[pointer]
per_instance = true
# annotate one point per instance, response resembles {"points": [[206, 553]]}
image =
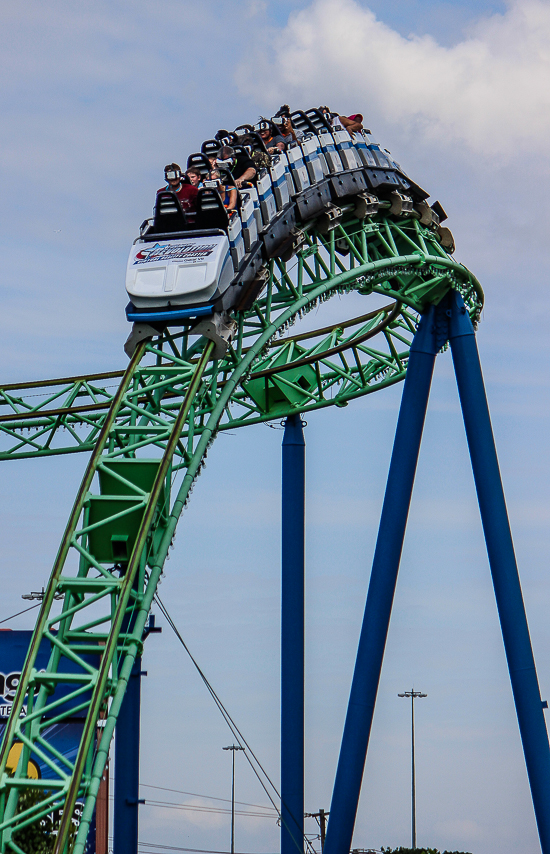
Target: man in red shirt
{"points": [[185, 191]]}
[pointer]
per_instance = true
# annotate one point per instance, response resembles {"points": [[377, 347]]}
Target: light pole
{"points": [[413, 695], [233, 748]]}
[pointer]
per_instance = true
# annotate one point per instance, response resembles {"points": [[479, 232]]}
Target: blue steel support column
{"points": [[387, 555], [292, 638], [126, 803], [500, 549]]}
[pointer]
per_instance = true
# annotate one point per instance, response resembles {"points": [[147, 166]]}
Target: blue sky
{"points": [[96, 98]]}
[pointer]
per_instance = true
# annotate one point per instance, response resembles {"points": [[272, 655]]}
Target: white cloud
{"points": [[490, 91]]}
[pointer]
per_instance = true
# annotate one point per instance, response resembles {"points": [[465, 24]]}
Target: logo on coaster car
{"points": [[169, 252]]}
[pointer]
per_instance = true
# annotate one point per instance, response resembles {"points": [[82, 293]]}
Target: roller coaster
{"points": [[332, 215]]}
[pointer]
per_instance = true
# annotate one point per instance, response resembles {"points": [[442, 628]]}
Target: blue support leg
{"points": [[500, 549], [127, 767], [292, 638], [370, 653]]}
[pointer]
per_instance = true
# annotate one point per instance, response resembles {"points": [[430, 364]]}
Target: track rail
{"points": [[393, 258], [149, 437]]}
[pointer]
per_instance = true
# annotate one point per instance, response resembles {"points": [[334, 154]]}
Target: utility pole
{"points": [[321, 817], [233, 748], [413, 695]]}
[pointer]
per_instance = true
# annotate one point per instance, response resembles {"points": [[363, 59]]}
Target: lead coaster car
{"points": [[174, 280], [179, 269]]}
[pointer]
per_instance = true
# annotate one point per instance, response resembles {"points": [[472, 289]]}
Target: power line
{"points": [[200, 808], [210, 810], [208, 797], [175, 848], [225, 714], [38, 604], [230, 722]]}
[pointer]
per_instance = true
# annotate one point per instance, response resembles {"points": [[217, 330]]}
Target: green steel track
{"points": [[148, 430]]}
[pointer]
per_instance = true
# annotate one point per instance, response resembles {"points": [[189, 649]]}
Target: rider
{"points": [[241, 166], [273, 140], [184, 190], [353, 123], [283, 125], [226, 189], [195, 177]]}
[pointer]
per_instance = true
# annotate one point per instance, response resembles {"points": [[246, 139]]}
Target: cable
{"points": [[229, 720], [225, 714], [38, 604], [210, 810], [175, 848], [198, 808], [208, 797]]}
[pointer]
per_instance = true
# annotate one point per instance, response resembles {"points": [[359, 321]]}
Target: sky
{"points": [[95, 99]]}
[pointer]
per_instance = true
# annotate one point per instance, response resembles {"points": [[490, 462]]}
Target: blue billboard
{"points": [[63, 736]]}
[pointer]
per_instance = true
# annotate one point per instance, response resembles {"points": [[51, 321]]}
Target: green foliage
{"points": [[39, 837], [36, 838]]}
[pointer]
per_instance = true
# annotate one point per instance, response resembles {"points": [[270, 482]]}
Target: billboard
{"points": [[63, 736]]}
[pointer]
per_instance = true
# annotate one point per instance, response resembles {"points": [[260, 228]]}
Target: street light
{"points": [[233, 748], [413, 695], [39, 594]]}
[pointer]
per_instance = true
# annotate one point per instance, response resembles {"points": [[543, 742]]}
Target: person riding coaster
{"points": [[271, 136], [239, 166], [203, 253], [192, 263], [224, 184], [182, 187]]}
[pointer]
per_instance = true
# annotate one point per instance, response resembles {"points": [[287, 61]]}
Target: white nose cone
{"points": [[176, 271]]}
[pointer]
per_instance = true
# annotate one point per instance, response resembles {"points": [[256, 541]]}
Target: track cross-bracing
{"points": [[397, 259], [148, 429]]}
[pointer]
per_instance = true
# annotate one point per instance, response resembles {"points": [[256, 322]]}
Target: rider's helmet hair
{"points": [[283, 112], [227, 137], [226, 152]]}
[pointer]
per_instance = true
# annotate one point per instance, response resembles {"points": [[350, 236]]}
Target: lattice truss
{"points": [[399, 260], [149, 429]]}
